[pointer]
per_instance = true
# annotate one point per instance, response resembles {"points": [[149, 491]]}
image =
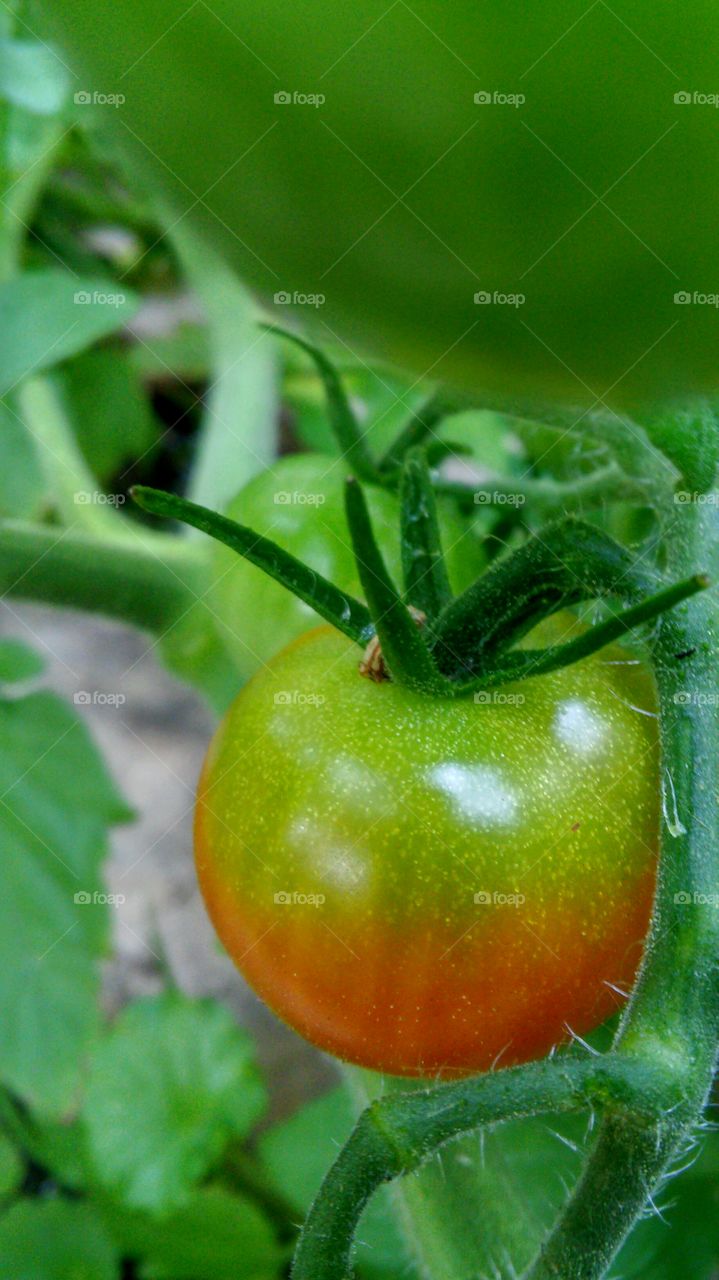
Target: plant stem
{"points": [[149, 582], [673, 1015], [395, 1135], [609, 484], [73, 487]]}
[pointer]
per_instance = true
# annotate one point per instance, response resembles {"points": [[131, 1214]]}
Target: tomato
{"points": [[299, 503], [577, 197], [424, 886]]}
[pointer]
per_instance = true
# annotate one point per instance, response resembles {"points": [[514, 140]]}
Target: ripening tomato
{"points": [[421, 885], [511, 195], [256, 615]]}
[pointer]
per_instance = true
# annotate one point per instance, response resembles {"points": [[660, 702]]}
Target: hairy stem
{"points": [[673, 1016], [395, 1135]]}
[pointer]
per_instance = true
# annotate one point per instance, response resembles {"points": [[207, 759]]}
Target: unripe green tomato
{"points": [[558, 160], [426, 886], [299, 503]]}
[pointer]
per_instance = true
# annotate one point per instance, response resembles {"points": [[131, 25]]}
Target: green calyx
{"points": [[433, 642], [422, 636]]}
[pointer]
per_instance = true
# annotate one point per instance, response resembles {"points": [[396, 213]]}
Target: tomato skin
{"points": [[377, 815], [299, 503], [399, 197]]}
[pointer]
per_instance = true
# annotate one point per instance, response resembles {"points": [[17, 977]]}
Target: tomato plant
{"points": [[522, 203], [299, 504], [423, 886], [558, 164]]}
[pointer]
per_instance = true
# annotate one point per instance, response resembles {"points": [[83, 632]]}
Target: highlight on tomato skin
{"points": [[426, 886]]}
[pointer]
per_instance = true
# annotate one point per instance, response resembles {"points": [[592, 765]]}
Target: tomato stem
{"points": [[426, 583], [673, 1014], [344, 424], [403, 646]]}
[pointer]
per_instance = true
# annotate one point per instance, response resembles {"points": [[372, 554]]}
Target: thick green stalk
{"points": [[673, 1016], [396, 1135], [149, 581], [75, 492]]}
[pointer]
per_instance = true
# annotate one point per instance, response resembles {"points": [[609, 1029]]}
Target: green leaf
{"points": [[12, 1167], [296, 1155], [56, 802], [238, 434], [216, 1236], [55, 1240], [689, 436], [46, 316], [170, 1085], [17, 662], [109, 410], [32, 76], [347, 614]]}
